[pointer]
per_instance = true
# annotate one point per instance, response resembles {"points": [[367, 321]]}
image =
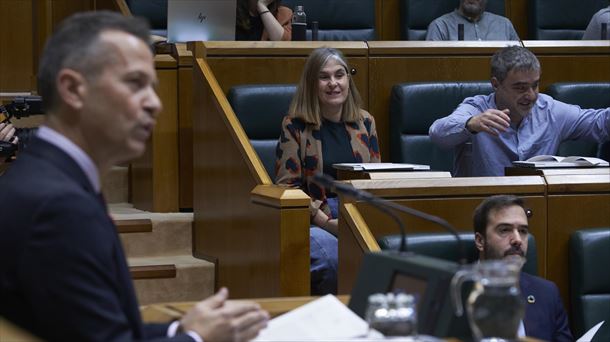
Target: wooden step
{"points": [[126, 226], [146, 234], [153, 271], [171, 278]]}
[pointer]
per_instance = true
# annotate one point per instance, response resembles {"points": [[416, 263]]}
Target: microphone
{"points": [[460, 31], [388, 207]]}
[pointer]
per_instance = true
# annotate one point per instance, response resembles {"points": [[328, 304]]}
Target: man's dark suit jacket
{"points": [[545, 318], [63, 274]]}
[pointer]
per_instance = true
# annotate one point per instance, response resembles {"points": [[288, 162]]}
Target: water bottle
{"points": [[299, 24]]}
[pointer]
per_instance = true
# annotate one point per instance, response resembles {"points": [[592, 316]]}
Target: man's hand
{"points": [[491, 121], [217, 319]]}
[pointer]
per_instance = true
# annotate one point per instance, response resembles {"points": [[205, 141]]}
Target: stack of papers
{"points": [[325, 319], [547, 161], [380, 167]]}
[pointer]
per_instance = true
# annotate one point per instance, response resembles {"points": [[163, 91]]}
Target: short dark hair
{"points": [[481, 213], [512, 58], [75, 45]]}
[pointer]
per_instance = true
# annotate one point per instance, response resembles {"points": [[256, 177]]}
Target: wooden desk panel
{"points": [[574, 202], [452, 199], [185, 125], [238, 63], [17, 48], [154, 176], [166, 312], [257, 233]]}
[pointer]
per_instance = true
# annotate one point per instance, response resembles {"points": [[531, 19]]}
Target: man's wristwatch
{"points": [[466, 126]]}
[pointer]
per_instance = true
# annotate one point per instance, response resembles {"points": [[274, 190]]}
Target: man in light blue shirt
{"points": [[594, 29], [489, 132], [478, 24]]}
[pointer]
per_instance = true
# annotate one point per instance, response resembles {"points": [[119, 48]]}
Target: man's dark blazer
{"points": [[546, 317], [63, 274]]}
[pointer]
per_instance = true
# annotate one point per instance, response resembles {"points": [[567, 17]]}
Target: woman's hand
{"points": [[7, 131], [264, 3], [272, 26]]}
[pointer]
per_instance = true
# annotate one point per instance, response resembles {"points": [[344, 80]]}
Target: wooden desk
{"points": [[256, 233], [238, 63], [574, 202], [453, 199], [165, 312], [154, 176]]}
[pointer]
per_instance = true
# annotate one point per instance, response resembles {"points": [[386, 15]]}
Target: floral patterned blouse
{"points": [[299, 155]]}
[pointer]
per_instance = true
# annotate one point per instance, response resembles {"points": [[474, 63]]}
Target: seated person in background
{"points": [[325, 125], [7, 134], [63, 273], [514, 122], [263, 20], [594, 29], [501, 231], [478, 24]]}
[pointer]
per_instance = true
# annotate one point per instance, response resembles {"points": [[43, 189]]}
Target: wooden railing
{"points": [[255, 231]]}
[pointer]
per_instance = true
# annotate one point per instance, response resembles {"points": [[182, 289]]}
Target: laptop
{"points": [[200, 20]]}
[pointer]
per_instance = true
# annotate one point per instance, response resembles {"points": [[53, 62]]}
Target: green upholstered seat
{"points": [[352, 20], [590, 281], [260, 110], [413, 109], [416, 15], [561, 19], [585, 95], [444, 246]]}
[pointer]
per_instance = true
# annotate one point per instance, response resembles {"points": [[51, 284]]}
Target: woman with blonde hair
{"points": [[325, 125]]}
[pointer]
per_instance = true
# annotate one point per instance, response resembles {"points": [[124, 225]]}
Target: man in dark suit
{"points": [[501, 232], [63, 274]]}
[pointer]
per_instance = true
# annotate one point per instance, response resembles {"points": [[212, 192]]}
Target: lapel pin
{"points": [[531, 299]]}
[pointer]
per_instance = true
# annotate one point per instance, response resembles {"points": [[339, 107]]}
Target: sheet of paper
{"points": [[325, 319], [588, 336]]}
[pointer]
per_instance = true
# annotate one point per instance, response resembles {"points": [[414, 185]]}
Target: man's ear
{"points": [[71, 86], [479, 241], [495, 83]]}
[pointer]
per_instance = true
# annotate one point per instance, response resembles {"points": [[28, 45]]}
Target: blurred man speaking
{"points": [[63, 273]]}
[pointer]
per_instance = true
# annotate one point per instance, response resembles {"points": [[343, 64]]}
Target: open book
{"points": [[545, 161], [380, 167]]}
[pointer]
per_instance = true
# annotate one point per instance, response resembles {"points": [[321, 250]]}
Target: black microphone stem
{"points": [[381, 206], [386, 206], [430, 218]]}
